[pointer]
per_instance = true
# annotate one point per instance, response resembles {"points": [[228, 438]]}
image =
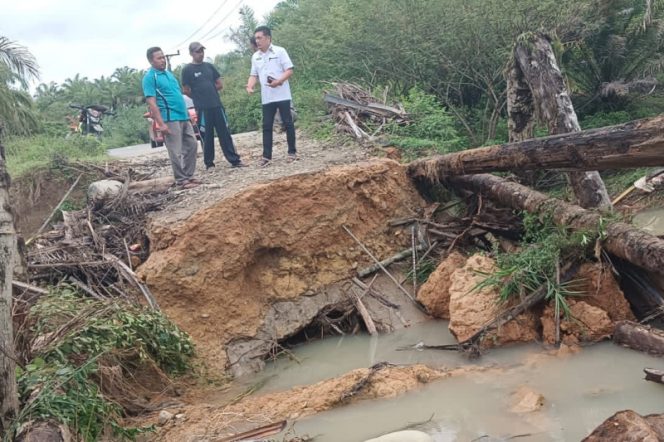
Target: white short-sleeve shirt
{"points": [[272, 63]]}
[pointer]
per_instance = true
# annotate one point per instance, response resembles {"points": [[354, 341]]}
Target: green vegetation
{"points": [[544, 248], [29, 153], [80, 339]]}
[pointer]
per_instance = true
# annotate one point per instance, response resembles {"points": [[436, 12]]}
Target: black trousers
{"points": [[215, 119], [269, 111]]}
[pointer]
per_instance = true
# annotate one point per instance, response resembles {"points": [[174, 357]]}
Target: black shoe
{"points": [[238, 165]]}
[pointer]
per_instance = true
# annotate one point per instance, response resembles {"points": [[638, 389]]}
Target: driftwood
{"points": [[54, 211], [639, 337], [387, 261], [654, 375], [364, 313], [389, 275], [553, 105], [621, 239], [634, 144], [257, 433], [358, 113]]}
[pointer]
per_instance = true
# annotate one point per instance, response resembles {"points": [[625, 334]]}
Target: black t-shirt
{"points": [[200, 78]]}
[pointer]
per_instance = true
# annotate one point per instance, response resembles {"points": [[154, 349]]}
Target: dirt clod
{"points": [[435, 293]]}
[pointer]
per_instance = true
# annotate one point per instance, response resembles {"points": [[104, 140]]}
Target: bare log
{"points": [[387, 261], [635, 144], [623, 240], [364, 313], [639, 337], [553, 104], [654, 375], [155, 185]]}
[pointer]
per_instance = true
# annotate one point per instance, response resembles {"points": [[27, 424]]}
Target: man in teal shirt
{"points": [[164, 97]]}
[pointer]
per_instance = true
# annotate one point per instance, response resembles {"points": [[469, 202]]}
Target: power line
{"points": [[222, 21], [203, 25]]}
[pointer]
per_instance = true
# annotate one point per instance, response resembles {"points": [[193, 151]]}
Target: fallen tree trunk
{"points": [[635, 144], [623, 240], [639, 337]]}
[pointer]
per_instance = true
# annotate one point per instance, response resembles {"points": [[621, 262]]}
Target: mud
{"points": [[206, 421], [217, 274]]}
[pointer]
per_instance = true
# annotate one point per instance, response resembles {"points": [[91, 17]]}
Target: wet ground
{"points": [[580, 390]]}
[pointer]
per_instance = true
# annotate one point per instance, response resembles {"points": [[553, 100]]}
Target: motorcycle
{"points": [[89, 119], [157, 137]]}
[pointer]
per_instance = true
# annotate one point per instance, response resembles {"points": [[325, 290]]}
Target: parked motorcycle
{"points": [[157, 137], [89, 119]]}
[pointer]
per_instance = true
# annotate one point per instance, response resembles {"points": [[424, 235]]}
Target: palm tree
{"points": [[17, 67], [623, 54]]}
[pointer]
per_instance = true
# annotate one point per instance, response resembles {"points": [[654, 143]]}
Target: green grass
{"points": [[29, 153], [544, 248]]}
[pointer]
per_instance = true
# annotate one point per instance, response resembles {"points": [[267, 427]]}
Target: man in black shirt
{"points": [[201, 81]]}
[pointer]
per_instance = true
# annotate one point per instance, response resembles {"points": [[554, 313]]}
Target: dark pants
{"points": [[215, 118], [269, 110]]}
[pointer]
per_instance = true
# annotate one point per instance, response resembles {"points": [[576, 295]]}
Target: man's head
{"points": [[197, 51], [156, 58], [263, 37]]}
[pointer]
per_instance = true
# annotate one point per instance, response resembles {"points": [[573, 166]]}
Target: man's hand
{"points": [[163, 127], [250, 89], [275, 83]]}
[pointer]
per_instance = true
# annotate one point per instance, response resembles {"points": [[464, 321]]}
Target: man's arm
{"points": [[251, 83], [219, 84], [278, 82], [156, 114]]}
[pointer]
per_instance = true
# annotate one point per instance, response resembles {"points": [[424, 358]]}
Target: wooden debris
{"points": [[359, 113], [621, 239], [257, 433], [654, 375], [639, 337], [634, 144], [364, 313]]}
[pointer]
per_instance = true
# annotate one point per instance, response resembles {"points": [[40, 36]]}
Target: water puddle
{"points": [[580, 390], [650, 220]]}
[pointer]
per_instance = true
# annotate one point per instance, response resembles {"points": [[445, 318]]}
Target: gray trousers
{"points": [[181, 144]]}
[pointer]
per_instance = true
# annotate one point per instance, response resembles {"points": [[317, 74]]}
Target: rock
{"points": [[164, 417], [435, 292], [471, 309], [588, 324], [403, 436], [600, 289], [103, 190], [624, 426], [526, 400]]}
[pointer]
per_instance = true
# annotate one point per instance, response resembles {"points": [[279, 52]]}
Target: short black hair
{"points": [[252, 41], [265, 30], [151, 52]]}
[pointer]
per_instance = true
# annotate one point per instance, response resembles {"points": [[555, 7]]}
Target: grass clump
{"points": [[75, 341], [544, 247], [29, 153]]}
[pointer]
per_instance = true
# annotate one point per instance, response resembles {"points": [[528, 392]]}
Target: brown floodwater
{"points": [[580, 390]]}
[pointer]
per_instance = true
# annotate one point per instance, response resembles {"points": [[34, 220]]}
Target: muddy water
{"points": [[580, 390], [650, 220]]}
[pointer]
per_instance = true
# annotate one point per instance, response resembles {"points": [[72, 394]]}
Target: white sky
{"points": [[94, 37]]}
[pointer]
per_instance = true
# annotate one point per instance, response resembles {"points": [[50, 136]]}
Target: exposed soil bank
{"points": [[217, 274]]}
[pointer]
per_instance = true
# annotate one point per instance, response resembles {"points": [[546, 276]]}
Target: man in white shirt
{"points": [[272, 67]]}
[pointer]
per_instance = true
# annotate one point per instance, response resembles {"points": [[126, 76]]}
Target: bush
{"points": [[432, 125], [63, 382], [27, 153], [126, 128]]}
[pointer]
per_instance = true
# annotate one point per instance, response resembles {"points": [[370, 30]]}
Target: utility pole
{"points": [[168, 59]]}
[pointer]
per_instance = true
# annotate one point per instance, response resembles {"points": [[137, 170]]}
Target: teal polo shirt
{"points": [[165, 88]]}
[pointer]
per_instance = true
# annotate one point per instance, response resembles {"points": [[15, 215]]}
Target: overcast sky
{"points": [[94, 37]]}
